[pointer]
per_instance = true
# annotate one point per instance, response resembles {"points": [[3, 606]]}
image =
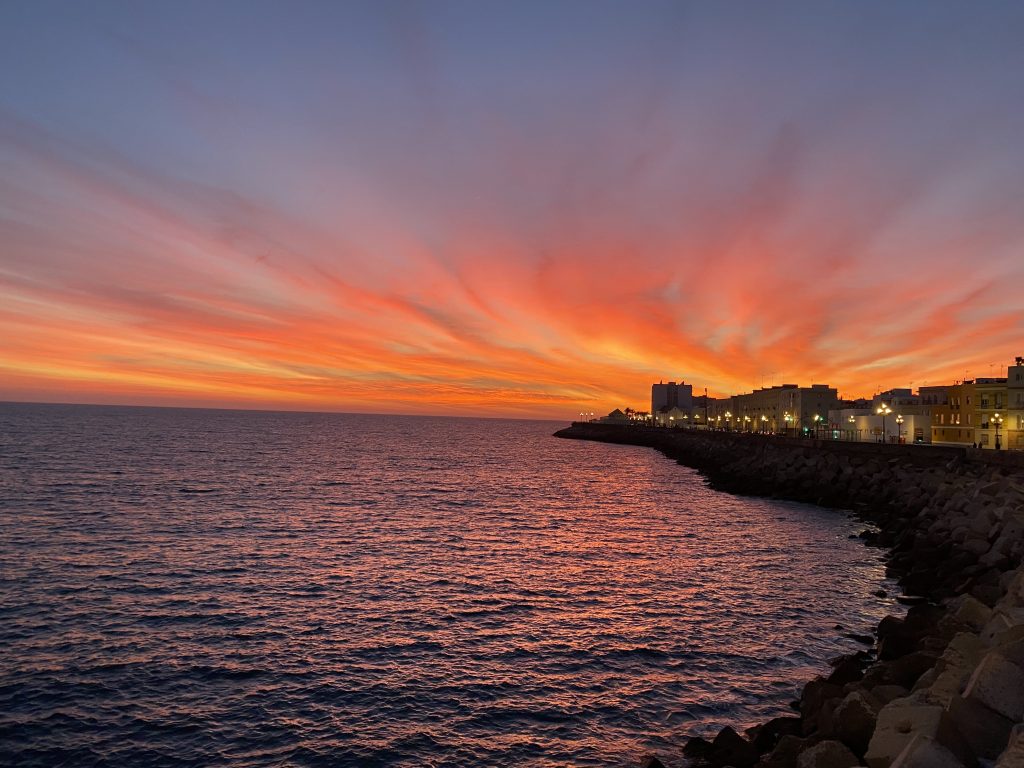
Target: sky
{"points": [[505, 209]]}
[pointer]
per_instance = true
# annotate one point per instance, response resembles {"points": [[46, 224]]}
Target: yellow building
{"points": [[990, 412], [953, 422]]}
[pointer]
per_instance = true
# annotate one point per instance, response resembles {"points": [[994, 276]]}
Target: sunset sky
{"points": [[505, 209]]}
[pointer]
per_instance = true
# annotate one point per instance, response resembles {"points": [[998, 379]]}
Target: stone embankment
{"points": [[942, 687]]}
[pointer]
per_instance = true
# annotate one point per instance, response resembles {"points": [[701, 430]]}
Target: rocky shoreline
{"points": [[942, 687]]}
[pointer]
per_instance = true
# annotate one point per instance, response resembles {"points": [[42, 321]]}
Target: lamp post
{"points": [[999, 421], [852, 421], [885, 410], [817, 425], [899, 427], [746, 423], [764, 423]]}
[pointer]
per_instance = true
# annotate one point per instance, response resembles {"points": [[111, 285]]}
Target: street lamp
{"points": [[998, 420], [746, 423], [817, 424], [852, 421], [728, 417], [899, 427], [764, 423], [885, 410]]}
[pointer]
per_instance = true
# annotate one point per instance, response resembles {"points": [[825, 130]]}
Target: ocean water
{"points": [[218, 588]]}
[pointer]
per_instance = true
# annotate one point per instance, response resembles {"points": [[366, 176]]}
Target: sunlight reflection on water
{"points": [[235, 588]]}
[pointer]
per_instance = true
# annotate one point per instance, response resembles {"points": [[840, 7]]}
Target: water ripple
{"points": [[189, 588]]}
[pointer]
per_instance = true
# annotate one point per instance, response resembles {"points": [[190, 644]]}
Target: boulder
{"points": [[907, 669], [766, 737], [788, 748], [651, 762], [814, 695], [1013, 755], [827, 754], [970, 611], [697, 748], [729, 748], [854, 720], [998, 684], [886, 693], [922, 752], [986, 732], [1003, 626], [901, 720], [964, 651]]}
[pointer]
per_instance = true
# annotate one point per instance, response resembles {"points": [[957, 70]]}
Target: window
{"points": [[969, 418]]}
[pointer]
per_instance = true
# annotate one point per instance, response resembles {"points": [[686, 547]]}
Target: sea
{"points": [[187, 587]]}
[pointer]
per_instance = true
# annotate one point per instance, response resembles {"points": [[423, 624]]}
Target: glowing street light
{"points": [[899, 427], [764, 423], [884, 410], [998, 421]]}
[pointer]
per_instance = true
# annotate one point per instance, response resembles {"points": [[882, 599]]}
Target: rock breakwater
{"points": [[943, 686]]}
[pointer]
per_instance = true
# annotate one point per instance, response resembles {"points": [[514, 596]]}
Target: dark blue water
{"points": [[195, 588]]}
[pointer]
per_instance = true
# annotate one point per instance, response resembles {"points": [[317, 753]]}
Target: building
{"points": [[1013, 422], [990, 412], [897, 419], [785, 408], [671, 395], [953, 422]]}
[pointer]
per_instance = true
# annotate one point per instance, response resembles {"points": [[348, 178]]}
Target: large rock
{"points": [[964, 651], [765, 737], [814, 695], [901, 720], [854, 720], [886, 693], [1013, 755], [985, 731], [827, 754], [971, 612], [999, 685], [729, 748], [921, 752]]}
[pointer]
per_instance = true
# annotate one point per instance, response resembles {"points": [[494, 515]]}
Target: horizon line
{"points": [[272, 410]]}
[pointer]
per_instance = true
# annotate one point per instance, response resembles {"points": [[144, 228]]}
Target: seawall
{"points": [[944, 685]]}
